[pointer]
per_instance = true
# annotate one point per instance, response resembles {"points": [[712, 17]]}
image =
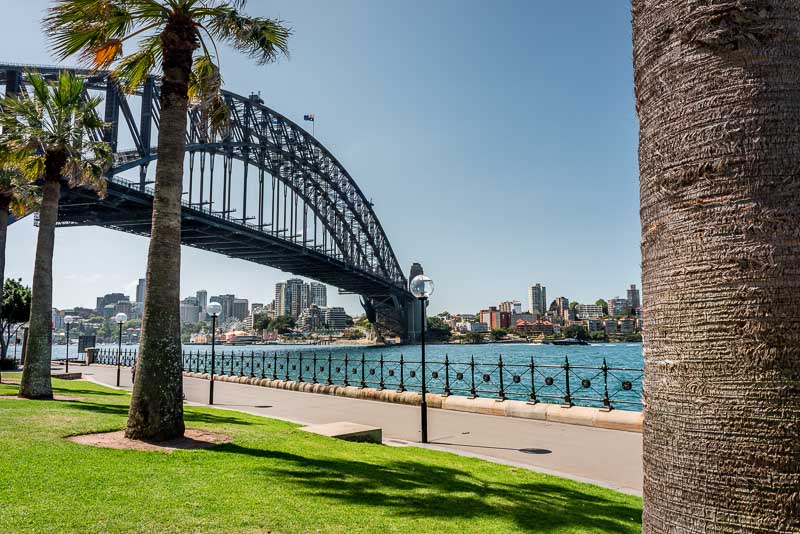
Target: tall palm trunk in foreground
{"points": [[718, 98], [35, 383], [157, 404]]}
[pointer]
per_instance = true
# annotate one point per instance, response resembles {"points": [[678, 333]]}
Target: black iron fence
{"points": [[554, 381]]}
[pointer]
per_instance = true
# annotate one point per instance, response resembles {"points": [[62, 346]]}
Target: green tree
{"points": [[47, 136], [473, 338], [576, 331], [261, 322], [718, 105], [603, 304], [16, 308], [281, 324], [498, 333], [175, 37], [437, 329]]}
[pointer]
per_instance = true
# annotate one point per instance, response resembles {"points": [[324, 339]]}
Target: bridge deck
{"points": [[130, 210]]}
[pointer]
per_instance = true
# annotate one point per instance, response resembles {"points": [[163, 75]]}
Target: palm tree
{"points": [[18, 197], [176, 37], [718, 97], [46, 137]]}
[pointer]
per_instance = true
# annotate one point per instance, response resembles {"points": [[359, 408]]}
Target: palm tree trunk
{"points": [[4, 213], [718, 99], [156, 411], [35, 383]]}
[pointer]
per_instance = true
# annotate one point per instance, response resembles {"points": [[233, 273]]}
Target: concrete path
{"points": [[607, 458]]}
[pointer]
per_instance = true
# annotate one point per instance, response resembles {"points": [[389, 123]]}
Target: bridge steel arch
{"points": [[347, 246]]}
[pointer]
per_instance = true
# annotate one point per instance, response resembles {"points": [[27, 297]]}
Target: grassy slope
{"points": [[271, 477]]}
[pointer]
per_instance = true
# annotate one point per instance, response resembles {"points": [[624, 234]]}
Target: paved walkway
{"points": [[607, 458]]}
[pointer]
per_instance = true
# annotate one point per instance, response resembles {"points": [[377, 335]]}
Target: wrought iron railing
{"points": [[552, 381]]}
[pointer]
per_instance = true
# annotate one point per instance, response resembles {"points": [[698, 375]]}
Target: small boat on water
{"points": [[569, 341]]}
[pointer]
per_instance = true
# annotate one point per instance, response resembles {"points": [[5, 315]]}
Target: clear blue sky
{"points": [[514, 118]]}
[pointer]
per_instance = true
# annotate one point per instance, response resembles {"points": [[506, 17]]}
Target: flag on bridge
{"points": [[309, 118]]}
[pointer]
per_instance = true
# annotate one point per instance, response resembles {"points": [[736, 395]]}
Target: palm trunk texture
{"points": [[156, 411], [4, 213], [35, 383], [718, 97]]}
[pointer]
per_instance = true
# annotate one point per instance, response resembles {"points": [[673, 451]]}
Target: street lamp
{"points": [[422, 288], [68, 320], [121, 318], [213, 309]]}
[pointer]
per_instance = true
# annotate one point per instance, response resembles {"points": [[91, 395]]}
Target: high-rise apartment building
{"points": [[140, 288], [240, 308], [290, 297], [318, 294], [293, 296], [634, 298], [190, 310], [618, 306], [202, 300], [537, 299], [562, 305]]}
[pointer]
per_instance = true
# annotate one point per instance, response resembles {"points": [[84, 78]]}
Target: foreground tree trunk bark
{"points": [[718, 98], [4, 213], [156, 411], [35, 382]]}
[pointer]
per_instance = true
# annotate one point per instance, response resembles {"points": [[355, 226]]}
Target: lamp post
{"points": [[121, 318], [213, 309], [422, 288], [68, 320]]}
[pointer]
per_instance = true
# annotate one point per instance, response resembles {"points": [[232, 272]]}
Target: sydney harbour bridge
{"points": [[263, 191]]}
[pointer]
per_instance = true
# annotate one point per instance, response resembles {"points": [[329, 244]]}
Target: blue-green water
{"points": [[528, 371]]}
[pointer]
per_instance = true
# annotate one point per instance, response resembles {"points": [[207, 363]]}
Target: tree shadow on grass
{"points": [[189, 417], [417, 489]]}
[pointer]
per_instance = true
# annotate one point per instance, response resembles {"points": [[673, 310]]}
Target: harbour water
{"points": [[545, 373]]}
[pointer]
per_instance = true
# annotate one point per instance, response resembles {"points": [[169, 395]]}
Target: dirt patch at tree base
{"points": [[192, 439]]}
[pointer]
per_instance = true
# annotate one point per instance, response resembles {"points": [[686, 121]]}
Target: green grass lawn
{"points": [[272, 477]]}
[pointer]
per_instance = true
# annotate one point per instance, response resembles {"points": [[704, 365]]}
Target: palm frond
{"points": [[132, 70], [263, 39], [55, 117]]}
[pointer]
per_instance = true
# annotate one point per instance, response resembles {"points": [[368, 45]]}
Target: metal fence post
{"points": [[381, 385], [473, 393], [300, 369], [252, 364], [346, 370], [568, 397], [502, 392], [286, 378], [263, 358], [446, 376], [275, 365], [363, 379], [606, 400], [314, 376], [533, 384], [402, 387], [330, 380]]}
